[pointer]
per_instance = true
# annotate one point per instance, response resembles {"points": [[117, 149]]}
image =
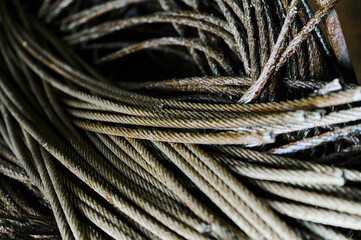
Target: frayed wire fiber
{"points": [[177, 119]]}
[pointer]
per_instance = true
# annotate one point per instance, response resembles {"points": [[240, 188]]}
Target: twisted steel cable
{"points": [[177, 119]]}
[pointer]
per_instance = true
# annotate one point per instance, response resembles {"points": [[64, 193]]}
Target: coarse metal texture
{"points": [[177, 119]]}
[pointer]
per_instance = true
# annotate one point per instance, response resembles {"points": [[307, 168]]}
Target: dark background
{"points": [[350, 17]]}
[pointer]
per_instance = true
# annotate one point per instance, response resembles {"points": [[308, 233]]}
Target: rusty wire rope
{"points": [[177, 119]]}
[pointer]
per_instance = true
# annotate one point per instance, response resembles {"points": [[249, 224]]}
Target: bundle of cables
{"points": [[177, 119]]}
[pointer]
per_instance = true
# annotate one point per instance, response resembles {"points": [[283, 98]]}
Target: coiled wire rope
{"points": [[254, 136]]}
